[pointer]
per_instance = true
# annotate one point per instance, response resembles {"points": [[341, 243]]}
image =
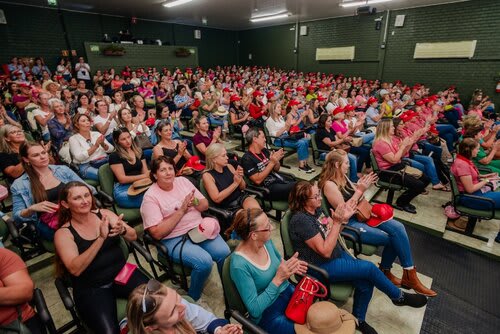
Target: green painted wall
{"points": [[140, 56], [32, 31], [477, 19]]}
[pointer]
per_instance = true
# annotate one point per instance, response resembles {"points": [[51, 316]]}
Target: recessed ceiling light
{"points": [[175, 3]]}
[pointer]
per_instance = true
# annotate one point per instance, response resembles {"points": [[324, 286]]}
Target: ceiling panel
{"points": [[225, 14]]}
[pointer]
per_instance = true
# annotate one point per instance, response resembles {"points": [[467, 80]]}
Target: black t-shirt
{"points": [[322, 134], [256, 163], [7, 160], [222, 181], [304, 226], [130, 170]]}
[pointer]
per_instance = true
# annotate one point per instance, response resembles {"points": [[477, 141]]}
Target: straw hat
{"points": [[49, 82], [326, 318], [139, 186]]}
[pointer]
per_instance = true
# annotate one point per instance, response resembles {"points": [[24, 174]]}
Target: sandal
{"points": [[442, 187]]}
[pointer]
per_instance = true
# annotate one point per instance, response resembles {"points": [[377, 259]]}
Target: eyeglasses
{"points": [[148, 302], [317, 196], [269, 228], [16, 132]]}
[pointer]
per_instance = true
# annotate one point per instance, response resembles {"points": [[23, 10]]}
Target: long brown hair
{"points": [[120, 150], [137, 321], [37, 188], [383, 128], [331, 169]]}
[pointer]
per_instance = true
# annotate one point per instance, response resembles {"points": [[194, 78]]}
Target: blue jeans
{"points": [[198, 257], [425, 164], [301, 145], [353, 166], [123, 199], [428, 148], [364, 276], [216, 121], [274, 319], [494, 195], [449, 134], [392, 235], [367, 137], [363, 155], [88, 172]]}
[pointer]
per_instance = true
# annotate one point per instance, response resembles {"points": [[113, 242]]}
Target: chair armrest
{"points": [[14, 232], [357, 238], [218, 211], [355, 242], [253, 191], [43, 311], [106, 199], [391, 173], [247, 324], [289, 175], [264, 191], [487, 201], [135, 245], [64, 294]]}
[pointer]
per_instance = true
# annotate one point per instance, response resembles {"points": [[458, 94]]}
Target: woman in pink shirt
{"points": [[389, 157], [171, 208]]}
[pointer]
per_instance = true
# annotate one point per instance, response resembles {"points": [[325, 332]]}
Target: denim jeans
{"points": [[216, 121], [367, 137], [274, 319], [123, 199], [449, 134], [392, 236], [364, 276], [363, 154], [428, 148], [479, 205], [353, 165], [425, 164], [88, 172], [198, 257], [302, 146]]}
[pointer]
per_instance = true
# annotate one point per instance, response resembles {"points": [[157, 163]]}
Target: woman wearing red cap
{"points": [[317, 239], [257, 108], [239, 115]]}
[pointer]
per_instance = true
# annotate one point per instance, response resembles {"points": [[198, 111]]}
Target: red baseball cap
{"points": [[257, 93], [226, 89], [420, 102], [300, 89], [270, 94], [338, 110], [380, 214], [234, 98], [372, 100], [321, 98], [194, 163], [349, 108], [209, 228], [288, 90], [23, 85], [293, 103], [322, 86]]}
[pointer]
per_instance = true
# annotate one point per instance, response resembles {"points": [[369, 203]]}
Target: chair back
{"points": [[285, 235], [204, 192], [376, 168], [106, 179], [231, 294], [269, 139], [195, 150], [455, 193], [325, 206], [314, 145]]}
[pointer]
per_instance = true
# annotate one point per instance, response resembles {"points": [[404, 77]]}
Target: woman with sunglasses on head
{"points": [[88, 248], [155, 308], [89, 149], [317, 239], [261, 274], [11, 138], [35, 194], [128, 165]]}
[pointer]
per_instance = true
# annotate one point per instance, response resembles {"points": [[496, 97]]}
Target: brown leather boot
{"points": [[410, 281], [387, 272]]}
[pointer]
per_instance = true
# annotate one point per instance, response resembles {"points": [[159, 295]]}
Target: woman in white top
{"points": [[118, 102], [84, 105], [89, 149], [278, 127], [125, 118], [105, 121]]}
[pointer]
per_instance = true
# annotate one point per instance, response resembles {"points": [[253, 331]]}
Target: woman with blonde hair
{"points": [[389, 156], [338, 189], [224, 184], [155, 308]]}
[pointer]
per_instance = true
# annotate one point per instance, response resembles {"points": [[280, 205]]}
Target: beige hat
{"points": [[326, 318], [221, 111], [139, 186], [48, 82]]}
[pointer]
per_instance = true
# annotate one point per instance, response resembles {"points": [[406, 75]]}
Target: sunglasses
{"points": [[148, 302]]}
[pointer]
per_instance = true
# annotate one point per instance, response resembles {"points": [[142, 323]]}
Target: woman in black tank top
{"points": [[169, 147], [88, 247], [224, 185]]}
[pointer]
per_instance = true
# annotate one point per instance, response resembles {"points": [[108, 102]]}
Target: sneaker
{"points": [[411, 299], [497, 239], [364, 328], [304, 169], [310, 168]]}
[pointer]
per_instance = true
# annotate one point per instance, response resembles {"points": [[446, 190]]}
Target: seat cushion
{"points": [[341, 291], [131, 216]]}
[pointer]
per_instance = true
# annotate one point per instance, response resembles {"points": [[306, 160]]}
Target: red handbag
{"points": [[302, 298]]}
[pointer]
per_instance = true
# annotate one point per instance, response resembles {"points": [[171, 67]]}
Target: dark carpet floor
{"points": [[467, 283]]}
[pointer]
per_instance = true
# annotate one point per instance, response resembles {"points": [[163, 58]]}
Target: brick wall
{"points": [[32, 31], [477, 19]]}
